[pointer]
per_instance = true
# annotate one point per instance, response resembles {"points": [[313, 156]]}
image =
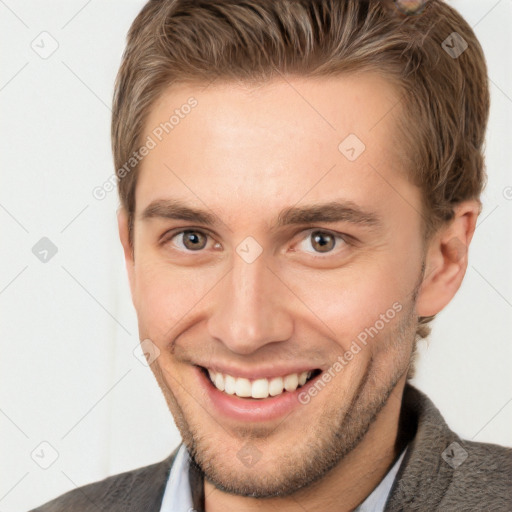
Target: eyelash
{"points": [[346, 239]]}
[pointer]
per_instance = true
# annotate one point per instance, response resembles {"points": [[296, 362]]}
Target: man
{"points": [[299, 185]]}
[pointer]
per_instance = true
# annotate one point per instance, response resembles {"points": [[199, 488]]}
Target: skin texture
{"points": [[245, 153]]}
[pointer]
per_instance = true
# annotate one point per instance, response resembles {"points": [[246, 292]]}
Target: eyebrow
{"points": [[332, 211]]}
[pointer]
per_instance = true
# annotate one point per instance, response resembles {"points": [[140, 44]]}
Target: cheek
{"points": [[166, 295], [364, 300]]}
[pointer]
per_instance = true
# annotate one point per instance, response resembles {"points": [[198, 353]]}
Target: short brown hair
{"points": [[444, 96]]}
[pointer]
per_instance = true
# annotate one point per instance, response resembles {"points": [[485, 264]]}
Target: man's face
{"points": [[261, 292]]}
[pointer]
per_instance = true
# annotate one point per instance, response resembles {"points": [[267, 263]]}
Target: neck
{"points": [[345, 486]]}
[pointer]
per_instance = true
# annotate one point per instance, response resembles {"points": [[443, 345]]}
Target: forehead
{"points": [[238, 147]]}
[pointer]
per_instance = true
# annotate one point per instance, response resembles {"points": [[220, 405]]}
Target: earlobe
{"points": [[447, 260]]}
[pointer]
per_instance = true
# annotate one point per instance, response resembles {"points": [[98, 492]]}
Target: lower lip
{"points": [[251, 409]]}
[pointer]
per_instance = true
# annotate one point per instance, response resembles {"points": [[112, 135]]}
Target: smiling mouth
{"points": [[258, 388]]}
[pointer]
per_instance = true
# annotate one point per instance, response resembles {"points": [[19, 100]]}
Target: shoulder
{"points": [[442, 471], [481, 478], [138, 489]]}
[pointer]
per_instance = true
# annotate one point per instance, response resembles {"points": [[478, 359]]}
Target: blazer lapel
{"points": [[423, 477], [141, 490]]}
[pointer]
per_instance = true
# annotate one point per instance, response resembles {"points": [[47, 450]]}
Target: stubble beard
{"points": [[336, 431]]}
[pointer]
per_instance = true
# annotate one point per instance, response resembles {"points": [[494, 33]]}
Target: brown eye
{"points": [[322, 241], [194, 240]]}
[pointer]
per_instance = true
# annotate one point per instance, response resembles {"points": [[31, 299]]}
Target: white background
{"points": [[67, 372]]}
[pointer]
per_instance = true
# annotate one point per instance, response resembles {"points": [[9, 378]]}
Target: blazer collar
{"points": [[423, 477]]}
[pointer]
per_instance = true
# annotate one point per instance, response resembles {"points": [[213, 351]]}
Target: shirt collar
{"points": [[178, 495]]}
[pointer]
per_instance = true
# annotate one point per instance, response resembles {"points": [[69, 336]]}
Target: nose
{"points": [[251, 308]]}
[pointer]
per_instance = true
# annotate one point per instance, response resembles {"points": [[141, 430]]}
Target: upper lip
{"points": [[262, 372]]}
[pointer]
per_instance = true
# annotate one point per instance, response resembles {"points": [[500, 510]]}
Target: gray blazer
{"points": [[434, 475]]}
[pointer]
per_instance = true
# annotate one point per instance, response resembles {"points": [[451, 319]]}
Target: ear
{"points": [[122, 224], [447, 260]]}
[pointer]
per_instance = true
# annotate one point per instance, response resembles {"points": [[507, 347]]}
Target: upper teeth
{"points": [[259, 388]]}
